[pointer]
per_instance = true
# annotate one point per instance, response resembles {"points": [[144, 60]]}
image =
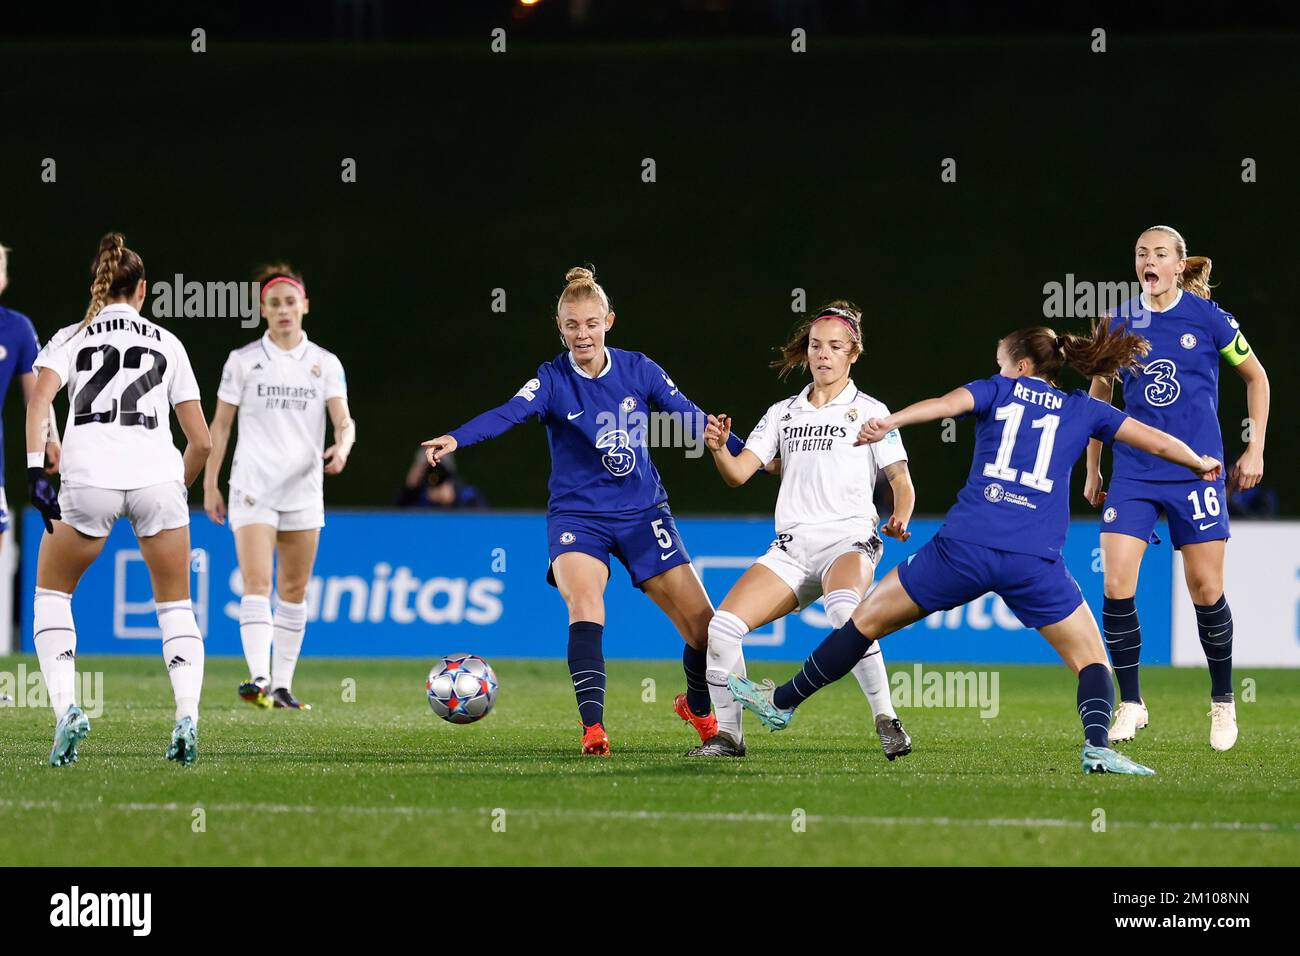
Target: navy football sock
{"points": [[1119, 623], [1096, 701], [833, 658], [587, 668], [1214, 621], [697, 685]]}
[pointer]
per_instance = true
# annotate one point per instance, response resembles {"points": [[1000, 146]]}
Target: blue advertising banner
{"points": [[414, 584]]}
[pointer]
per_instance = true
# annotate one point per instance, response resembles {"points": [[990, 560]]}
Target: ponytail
{"points": [[1106, 350], [114, 274], [1196, 276]]}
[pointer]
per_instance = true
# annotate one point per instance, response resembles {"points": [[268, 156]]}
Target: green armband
{"points": [[1236, 351]]}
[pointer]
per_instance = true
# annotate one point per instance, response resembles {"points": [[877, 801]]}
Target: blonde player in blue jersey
{"points": [[826, 544], [1176, 389], [1007, 528], [605, 495]]}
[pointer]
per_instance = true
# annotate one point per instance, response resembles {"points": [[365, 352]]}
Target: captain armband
{"points": [[1236, 351]]}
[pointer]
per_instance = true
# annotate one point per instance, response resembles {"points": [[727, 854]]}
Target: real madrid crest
{"points": [[851, 415], [315, 370]]}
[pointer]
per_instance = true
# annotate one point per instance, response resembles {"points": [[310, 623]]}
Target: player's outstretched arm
{"points": [[1163, 445], [214, 503], [1249, 469], [532, 399], [957, 402], [1103, 389], [735, 469], [198, 440]]}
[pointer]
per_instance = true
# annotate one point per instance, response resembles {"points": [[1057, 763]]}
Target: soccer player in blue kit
{"points": [[1006, 530], [1177, 390], [605, 495], [18, 349]]}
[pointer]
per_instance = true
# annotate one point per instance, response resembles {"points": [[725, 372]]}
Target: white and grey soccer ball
{"points": [[462, 688]]}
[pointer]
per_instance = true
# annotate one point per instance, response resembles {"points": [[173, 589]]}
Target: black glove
{"points": [[44, 496]]}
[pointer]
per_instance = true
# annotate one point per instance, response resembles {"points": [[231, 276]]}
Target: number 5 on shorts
{"points": [[661, 533]]}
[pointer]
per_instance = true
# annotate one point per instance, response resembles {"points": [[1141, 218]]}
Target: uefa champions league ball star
{"points": [[462, 688]]}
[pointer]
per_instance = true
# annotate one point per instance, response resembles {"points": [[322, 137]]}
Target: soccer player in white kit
{"points": [[122, 372], [282, 386], [826, 544]]}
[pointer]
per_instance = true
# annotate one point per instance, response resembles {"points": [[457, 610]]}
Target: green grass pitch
{"points": [[382, 781]]}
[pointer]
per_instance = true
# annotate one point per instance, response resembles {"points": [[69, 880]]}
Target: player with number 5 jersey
{"points": [[124, 373], [1177, 390], [1007, 528], [605, 494]]}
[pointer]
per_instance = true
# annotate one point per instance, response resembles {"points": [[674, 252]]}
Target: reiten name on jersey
{"points": [[1030, 397]]}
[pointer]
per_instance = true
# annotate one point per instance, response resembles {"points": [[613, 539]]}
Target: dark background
{"points": [[775, 170]]}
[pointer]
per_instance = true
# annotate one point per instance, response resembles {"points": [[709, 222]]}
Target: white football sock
{"points": [[182, 650], [255, 633], [870, 671], [290, 627], [56, 647], [726, 632]]}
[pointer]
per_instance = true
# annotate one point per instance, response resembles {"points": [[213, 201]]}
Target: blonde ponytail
{"points": [[1196, 276]]}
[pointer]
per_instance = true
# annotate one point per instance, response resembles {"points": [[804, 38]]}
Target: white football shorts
{"points": [[242, 509], [802, 556], [151, 509]]}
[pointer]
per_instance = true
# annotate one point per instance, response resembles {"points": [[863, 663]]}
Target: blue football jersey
{"points": [[1028, 435], [599, 430], [1177, 389], [18, 348]]}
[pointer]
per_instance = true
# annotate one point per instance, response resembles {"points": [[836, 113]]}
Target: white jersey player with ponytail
{"points": [[282, 386], [124, 373], [826, 544]]}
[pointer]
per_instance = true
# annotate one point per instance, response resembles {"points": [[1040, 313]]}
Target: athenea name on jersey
{"points": [[824, 475]]}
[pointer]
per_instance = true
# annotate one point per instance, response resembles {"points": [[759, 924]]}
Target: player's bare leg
{"points": [[296, 551], [64, 557], [843, 587], [1078, 641], [581, 579], [1122, 560], [255, 550], [681, 596], [1203, 572], [886, 609], [759, 597], [167, 555]]}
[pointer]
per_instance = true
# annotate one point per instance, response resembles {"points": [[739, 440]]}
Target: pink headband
{"points": [[293, 282], [836, 314]]}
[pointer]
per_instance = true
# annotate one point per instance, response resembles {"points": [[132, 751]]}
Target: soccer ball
{"points": [[462, 688]]}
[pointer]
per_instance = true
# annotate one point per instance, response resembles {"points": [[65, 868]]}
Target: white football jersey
{"points": [[124, 373], [823, 476], [281, 397]]}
